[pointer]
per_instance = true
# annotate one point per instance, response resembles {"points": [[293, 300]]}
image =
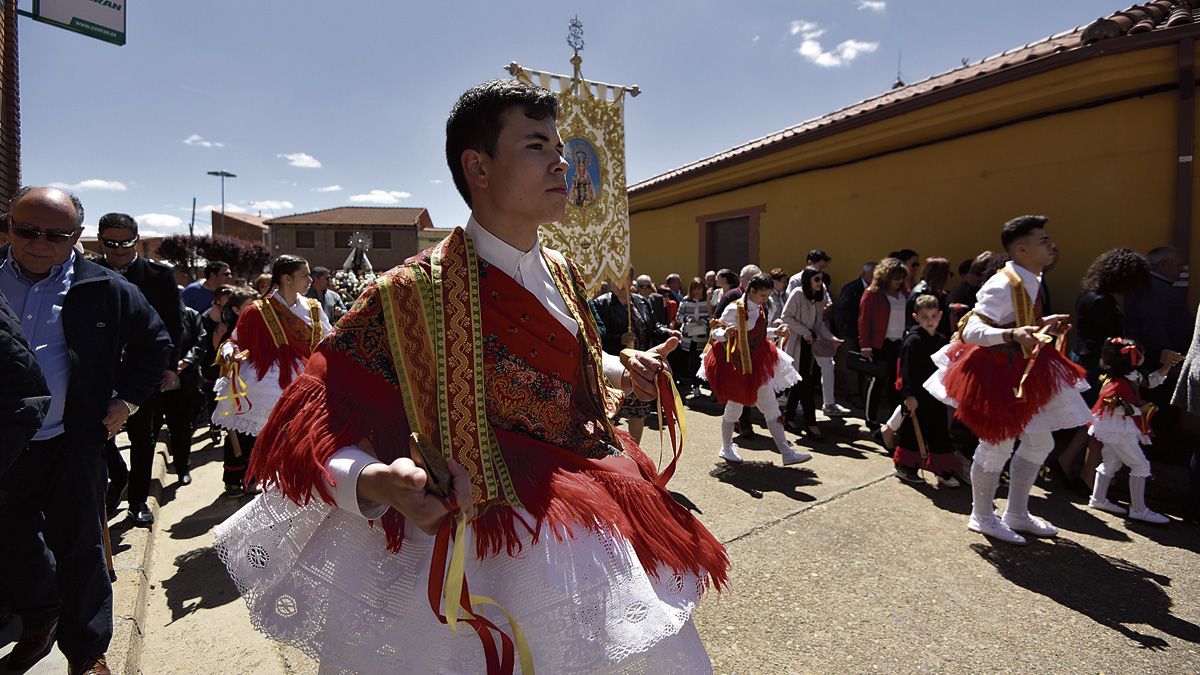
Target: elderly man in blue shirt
{"points": [[102, 350]]}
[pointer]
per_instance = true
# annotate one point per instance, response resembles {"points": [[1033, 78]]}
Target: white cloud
{"points": [[810, 47], [756, 38], [807, 30], [302, 160], [872, 5], [272, 205], [380, 197], [160, 224], [329, 188], [437, 181], [200, 141], [92, 184], [230, 207]]}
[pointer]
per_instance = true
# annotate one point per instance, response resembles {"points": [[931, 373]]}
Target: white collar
{"points": [[1031, 281], [498, 252], [299, 300]]}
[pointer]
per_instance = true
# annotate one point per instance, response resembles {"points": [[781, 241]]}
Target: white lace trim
{"points": [[263, 395], [321, 579]]}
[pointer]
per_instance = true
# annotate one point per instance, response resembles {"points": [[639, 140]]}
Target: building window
{"points": [[306, 239], [381, 240], [341, 239]]}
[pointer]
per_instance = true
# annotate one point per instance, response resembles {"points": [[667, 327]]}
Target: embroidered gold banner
{"points": [[591, 122]]}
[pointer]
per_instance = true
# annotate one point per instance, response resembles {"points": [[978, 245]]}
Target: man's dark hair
{"points": [[319, 272], [758, 282], [818, 255], [26, 189], [214, 267], [904, 254], [117, 221], [730, 277], [476, 119], [1019, 227]]}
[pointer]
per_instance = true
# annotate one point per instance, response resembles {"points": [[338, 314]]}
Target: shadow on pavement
{"points": [[116, 531], [200, 582], [1072, 517], [205, 519], [756, 478], [1113, 592]]}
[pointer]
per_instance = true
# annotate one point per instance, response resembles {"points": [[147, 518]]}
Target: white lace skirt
{"points": [[322, 579], [1116, 428], [262, 394]]}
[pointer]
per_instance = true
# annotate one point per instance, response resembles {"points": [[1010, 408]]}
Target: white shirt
{"points": [[895, 326], [994, 301], [529, 269], [729, 317]]}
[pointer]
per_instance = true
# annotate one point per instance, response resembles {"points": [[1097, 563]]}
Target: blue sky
{"points": [[322, 104]]}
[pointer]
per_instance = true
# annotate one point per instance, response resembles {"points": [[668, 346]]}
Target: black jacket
{"points": [[23, 396], [614, 315], [116, 343], [156, 281], [192, 342], [845, 313]]}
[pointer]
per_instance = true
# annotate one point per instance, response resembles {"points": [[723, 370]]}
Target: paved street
{"points": [[838, 567]]}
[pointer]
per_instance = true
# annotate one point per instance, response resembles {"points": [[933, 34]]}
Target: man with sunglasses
{"points": [[118, 235], [79, 319]]}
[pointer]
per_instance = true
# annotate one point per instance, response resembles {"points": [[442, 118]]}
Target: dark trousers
{"points": [[235, 467], [53, 557], [142, 430], [883, 389], [805, 391], [181, 406]]}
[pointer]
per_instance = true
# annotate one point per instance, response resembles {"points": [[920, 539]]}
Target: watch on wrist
{"points": [[132, 407]]}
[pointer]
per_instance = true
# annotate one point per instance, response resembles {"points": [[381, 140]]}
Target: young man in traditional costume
{"points": [[484, 349], [1009, 381]]}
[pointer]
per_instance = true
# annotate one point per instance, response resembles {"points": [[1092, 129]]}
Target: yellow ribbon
{"points": [[452, 596], [231, 369]]}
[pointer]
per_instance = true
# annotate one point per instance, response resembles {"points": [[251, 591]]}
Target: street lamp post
{"points": [[223, 175]]}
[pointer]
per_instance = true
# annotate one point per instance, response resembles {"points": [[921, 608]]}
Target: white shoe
{"points": [[949, 481], [1106, 505], [1029, 525], [793, 456], [730, 454], [1148, 516], [995, 528], [836, 410]]}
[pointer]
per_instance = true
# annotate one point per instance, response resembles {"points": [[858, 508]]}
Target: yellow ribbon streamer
{"points": [[452, 596], [231, 369]]}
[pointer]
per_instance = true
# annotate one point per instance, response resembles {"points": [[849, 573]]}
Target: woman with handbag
{"points": [[811, 344], [881, 325]]}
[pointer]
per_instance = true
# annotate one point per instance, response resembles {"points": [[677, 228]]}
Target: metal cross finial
{"points": [[575, 34]]}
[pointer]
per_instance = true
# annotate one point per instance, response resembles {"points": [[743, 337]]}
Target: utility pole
{"points": [[223, 175], [192, 243]]}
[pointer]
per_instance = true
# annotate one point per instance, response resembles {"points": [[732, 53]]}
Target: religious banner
{"points": [[591, 122]]}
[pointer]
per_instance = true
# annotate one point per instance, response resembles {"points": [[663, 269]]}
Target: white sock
{"points": [[983, 491], [1021, 475]]}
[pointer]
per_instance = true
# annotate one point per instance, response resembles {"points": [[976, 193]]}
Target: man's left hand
{"points": [[118, 412], [644, 367]]}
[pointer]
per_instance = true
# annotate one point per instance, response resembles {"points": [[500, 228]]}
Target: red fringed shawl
{"points": [[1117, 393], [275, 336], [497, 383]]}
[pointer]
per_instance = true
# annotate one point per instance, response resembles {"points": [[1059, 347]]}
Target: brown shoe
{"points": [[97, 665], [35, 642]]}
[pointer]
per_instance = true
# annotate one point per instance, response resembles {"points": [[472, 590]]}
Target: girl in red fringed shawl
{"points": [[1122, 424], [744, 367], [274, 336]]}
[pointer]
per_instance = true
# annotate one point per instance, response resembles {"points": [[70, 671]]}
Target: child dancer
{"points": [[1122, 424], [924, 411], [744, 367]]}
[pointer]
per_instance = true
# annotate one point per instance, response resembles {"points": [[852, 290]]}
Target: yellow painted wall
{"points": [[1104, 175]]}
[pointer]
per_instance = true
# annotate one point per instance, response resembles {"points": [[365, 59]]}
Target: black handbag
{"points": [[858, 364]]}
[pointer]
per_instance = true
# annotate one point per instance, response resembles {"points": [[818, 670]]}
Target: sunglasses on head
{"points": [[27, 232], [115, 243]]}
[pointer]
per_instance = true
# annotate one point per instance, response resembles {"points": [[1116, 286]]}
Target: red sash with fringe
{"points": [[1119, 393], [273, 335], [419, 351]]}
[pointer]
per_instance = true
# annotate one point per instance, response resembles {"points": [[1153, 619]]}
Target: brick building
{"points": [[323, 237], [242, 226]]}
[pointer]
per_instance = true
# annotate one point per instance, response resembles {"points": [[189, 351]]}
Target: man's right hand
{"points": [[401, 485]]}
